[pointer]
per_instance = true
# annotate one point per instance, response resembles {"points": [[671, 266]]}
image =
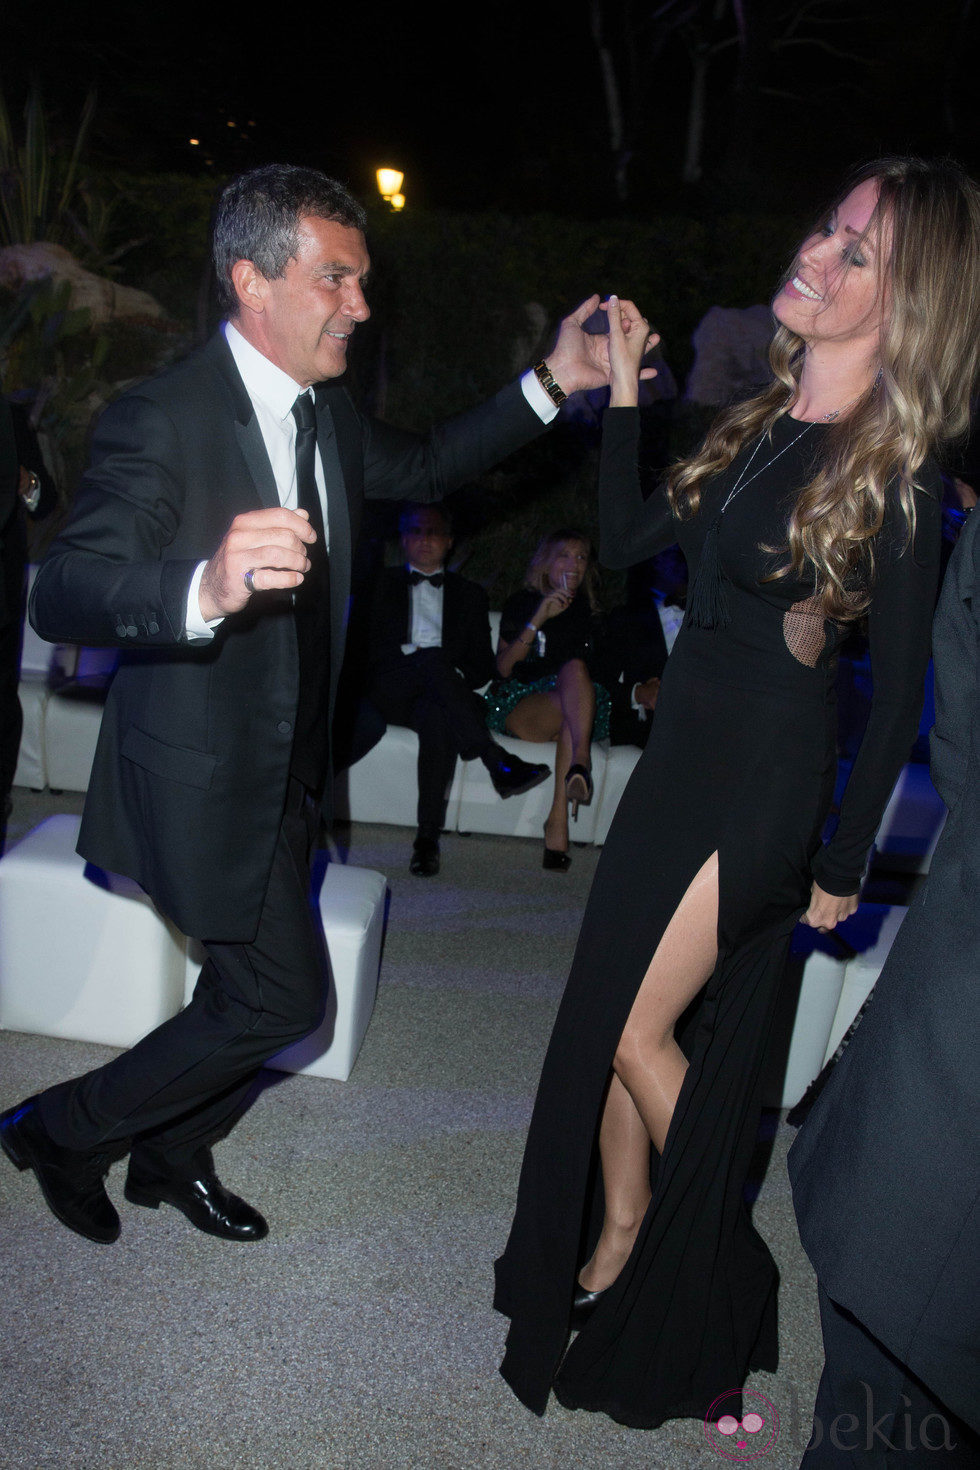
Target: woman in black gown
{"points": [[809, 506]]}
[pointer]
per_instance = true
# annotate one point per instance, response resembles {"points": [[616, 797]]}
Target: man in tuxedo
{"points": [[430, 649], [211, 541]]}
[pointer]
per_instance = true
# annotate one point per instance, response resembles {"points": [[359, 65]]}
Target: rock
{"points": [[731, 354], [20, 264]]}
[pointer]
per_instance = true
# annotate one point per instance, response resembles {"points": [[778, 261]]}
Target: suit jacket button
{"points": [[284, 727], [153, 628], [120, 630], [132, 630]]}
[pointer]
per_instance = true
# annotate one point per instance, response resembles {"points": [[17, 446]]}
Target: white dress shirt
{"points": [[272, 394], [425, 602]]}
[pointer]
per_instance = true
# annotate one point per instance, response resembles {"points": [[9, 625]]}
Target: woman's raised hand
{"points": [[552, 604], [630, 339]]}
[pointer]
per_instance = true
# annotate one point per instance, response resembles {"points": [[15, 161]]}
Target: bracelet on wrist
{"points": [[545, 377]]}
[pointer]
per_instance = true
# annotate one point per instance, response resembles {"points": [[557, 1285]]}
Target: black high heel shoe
{"points": [[584, 1304], [555, 861], [582, 775]]}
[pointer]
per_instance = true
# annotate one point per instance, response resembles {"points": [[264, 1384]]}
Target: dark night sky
{"points": [[498, 106]]}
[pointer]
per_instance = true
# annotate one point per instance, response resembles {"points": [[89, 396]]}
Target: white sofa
{"points": [[61, 689]]}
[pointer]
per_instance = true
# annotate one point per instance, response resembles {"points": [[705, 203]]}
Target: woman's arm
{"points": [[630, 528], [515, 646], [899, 637]]}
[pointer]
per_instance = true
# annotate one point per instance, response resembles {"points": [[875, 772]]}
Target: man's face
{"points": [[309, 313], [426, 541]]}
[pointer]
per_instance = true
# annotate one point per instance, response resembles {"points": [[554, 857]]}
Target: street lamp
{"points": [[389, 186]]}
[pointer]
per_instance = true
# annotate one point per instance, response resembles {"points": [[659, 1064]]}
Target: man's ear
{"points": [[251, 286]]}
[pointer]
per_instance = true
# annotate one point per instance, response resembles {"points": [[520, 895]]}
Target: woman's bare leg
{"points": [[576, 692], [566, 715], [649, 1067]]}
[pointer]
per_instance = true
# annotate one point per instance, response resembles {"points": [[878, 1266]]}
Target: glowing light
{"points": [[389, 182]]}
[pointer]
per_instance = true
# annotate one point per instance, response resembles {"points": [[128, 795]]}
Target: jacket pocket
{"points": [[192, 767]]}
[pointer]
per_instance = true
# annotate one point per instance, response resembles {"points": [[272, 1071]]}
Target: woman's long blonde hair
{"points": [[929, 354]]}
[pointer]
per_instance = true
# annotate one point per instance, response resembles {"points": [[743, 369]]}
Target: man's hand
{"points": [[646, 693], [580, 359], [271, 544]]}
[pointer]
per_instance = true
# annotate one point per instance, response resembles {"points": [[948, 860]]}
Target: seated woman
{"points": [[548, 639]]}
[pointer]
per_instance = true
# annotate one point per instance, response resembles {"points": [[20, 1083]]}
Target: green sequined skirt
{"points": [[505, 694]]}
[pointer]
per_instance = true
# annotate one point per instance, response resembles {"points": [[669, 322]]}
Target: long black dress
{"points": [[742, 761]]}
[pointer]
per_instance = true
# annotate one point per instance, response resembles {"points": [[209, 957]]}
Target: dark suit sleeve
{"points": [[403, 466], [105, 579], [477, 663]]}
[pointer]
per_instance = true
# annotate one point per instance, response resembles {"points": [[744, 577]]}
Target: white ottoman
{"points": [[912, 822], [621, 762], [805, 1009], [72, 721], [83, 957], [33, 693], [352, 909], [861, 973]]}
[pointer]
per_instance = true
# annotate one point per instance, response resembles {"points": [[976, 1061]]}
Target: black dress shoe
{"points": [[555, 861], [584, 1304], [71, 1182], [425, 857], [511, 776], [205, 1202]]}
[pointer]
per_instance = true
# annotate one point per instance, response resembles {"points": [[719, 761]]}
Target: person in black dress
{"points": [[810, 505], [549, 636]]}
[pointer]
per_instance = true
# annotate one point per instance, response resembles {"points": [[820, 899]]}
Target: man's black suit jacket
{"points": [[465, 625], [193, 758]]}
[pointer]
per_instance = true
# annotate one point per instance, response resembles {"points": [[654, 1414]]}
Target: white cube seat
{"points": [[31, 770], [84, 955], [805, 1009], [352, 910], [912, 822], [861, 973], [621, 761], [73, 719]]}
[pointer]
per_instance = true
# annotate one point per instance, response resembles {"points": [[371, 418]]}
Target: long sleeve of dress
{"points": [[630, 528], [899, 638]]}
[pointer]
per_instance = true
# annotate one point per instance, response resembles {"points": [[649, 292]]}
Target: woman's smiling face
{"points": [[835, 294]]}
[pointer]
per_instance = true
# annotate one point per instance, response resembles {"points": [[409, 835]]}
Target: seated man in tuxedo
{"points": [[430, 649]]}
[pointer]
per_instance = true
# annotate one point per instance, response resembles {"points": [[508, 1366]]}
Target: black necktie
{"points": [[436, 579], [312, 610], [307, 495]]}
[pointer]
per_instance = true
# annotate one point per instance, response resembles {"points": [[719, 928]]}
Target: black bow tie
{"points": [[436, 578]]}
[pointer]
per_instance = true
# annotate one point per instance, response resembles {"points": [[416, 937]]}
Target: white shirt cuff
{"points": [[195, 627], [544, 406]]}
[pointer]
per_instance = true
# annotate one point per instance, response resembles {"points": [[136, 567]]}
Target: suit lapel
{"points": [[450, 616], [247, 432]]}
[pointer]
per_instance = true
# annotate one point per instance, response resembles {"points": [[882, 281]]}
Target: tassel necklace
{"points": [[708, 604]]}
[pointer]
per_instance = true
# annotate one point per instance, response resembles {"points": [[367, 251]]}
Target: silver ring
{"points": [[247, 579]]}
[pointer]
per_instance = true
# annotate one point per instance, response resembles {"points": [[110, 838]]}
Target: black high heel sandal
{"points": [[581, 774]]}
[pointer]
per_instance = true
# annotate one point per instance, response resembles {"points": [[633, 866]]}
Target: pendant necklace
{"points": [[708, 603]]}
